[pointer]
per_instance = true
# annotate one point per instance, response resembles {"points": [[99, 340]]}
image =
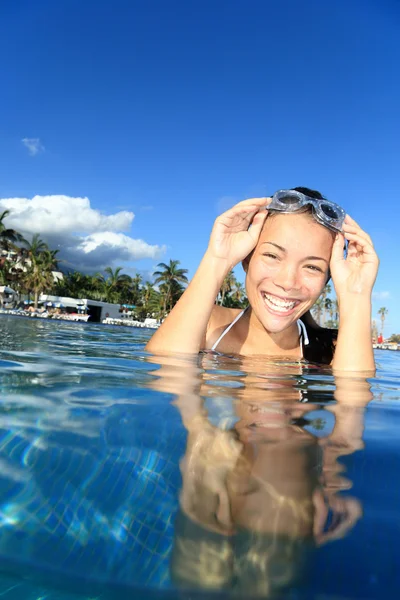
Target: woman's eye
{"points": [[314, 268], [269, 255]]}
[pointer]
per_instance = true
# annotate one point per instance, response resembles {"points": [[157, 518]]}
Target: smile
{"points": [[279, 305]]}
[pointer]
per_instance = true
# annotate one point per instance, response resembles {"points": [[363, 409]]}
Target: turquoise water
{"points": [[126, 475]]}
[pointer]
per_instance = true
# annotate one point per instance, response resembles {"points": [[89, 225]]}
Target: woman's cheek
{"points": [[315, 284]]}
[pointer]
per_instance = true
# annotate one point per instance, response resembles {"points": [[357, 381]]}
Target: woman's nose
{"points": [[287, 278]]}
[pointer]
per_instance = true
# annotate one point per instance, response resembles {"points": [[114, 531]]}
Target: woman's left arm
{"points": [[353, 277]]}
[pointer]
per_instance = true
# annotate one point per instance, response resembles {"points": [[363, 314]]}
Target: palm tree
{"points": [[36, 246], [238, 294], [383, 312], [38, 267], [135, 288], [324, 296], [317, 309], [8, 237], [168, 276], [328, 303], [147, 292], [114, 284], [336, 309], [155, 304], [227, 286]]}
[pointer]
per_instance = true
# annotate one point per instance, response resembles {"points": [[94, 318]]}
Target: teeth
{"points": [[278, 304]]}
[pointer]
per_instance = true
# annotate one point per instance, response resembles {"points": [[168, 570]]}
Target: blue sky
{"points": [[175, 110]]}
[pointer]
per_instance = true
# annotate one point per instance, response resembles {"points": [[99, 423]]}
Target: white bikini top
{"points": [[304, 341]]}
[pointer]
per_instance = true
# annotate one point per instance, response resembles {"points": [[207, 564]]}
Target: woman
{"points": [[289, 246]]}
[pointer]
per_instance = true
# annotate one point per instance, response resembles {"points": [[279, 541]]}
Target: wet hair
{"points": [[308, 192]]}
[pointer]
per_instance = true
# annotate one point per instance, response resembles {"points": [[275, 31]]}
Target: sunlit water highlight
{"points": [[126, 475]]}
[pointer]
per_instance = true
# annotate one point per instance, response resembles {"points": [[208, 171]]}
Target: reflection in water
{"points": [[260, 487], [219, 472]]}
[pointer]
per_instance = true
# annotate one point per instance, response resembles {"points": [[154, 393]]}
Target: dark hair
{"points": [[308, 192]]}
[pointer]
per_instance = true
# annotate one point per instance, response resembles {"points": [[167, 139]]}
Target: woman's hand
{"points": [[355, 273], [346, 511], [236, 232]]}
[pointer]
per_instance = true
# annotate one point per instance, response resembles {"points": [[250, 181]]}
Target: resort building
{"points": [[98, 311]]}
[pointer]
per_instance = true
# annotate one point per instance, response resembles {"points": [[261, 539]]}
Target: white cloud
{"points": [[87, 239], [51, 214], [108, 239], [380, 295], [33, 145]]}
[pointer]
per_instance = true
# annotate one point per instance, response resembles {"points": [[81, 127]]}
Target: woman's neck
{"points": [[257, 340]]}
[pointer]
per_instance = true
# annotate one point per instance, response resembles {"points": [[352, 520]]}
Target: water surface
{"points": [[127, 475]]}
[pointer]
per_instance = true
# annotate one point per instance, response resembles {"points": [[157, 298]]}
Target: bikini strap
{"points": [[301, 327], [236, 319], [303, 332]]}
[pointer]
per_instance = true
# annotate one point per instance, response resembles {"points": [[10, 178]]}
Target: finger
{"points": [[349, 220], [238, 214], [259, 202], [337, 248], [355, 229], [362, 244], [320, 513], [257, 224], [345, 518]]}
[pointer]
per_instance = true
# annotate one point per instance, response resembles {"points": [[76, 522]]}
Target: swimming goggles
{"points": [[324, 211]]}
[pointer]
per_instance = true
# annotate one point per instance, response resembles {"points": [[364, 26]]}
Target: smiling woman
{"points": [[289, 245]]}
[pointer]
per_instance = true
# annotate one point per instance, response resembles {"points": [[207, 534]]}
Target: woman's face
{"points": [[288, 269]]}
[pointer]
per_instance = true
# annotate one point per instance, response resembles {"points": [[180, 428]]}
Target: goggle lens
{"points": [[329, 211], [288, 199]]}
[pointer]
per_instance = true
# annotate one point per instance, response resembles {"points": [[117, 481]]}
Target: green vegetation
{"points": [[326, 310], [28, 268]]}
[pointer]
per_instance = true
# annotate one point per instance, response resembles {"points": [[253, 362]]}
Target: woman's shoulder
{"points": [[221, 317], [222, 314]]}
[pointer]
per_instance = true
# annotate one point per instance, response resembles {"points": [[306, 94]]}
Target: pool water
{"points": [[129, 475]]}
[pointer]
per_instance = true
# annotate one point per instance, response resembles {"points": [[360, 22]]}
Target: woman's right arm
{"points": [[232, 239]]}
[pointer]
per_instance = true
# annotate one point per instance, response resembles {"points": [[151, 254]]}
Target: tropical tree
{"points": [[318, 309], [8, 237], [155, 304], [168, 276], [238, 294], [136, 283], [37, 267], [147, 292], [327, 306], [227, 285], [383, 312], [324, 296], [4, 272], [115, 283]]}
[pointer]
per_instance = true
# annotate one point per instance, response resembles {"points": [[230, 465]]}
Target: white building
{"points": [[18, 262], [95, 309]]}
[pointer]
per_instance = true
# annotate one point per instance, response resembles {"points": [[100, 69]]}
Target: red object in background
{"points": [[380, 339]]}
